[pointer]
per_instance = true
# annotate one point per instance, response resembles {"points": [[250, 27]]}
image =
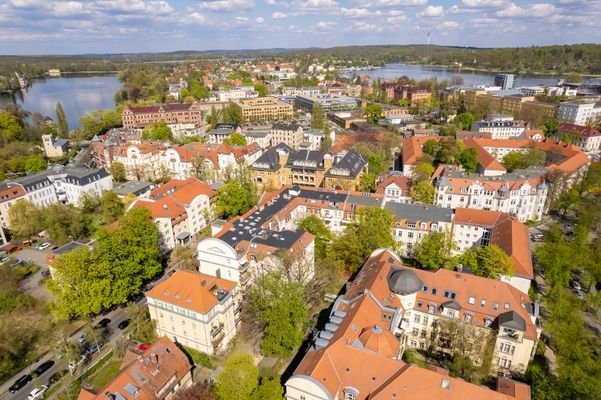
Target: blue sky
{"points": [[113, 26]]}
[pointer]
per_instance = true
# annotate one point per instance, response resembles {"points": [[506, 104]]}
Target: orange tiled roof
{"points": [[183, 191], [402, 182], [412, 148], [149, 376], [165, 207], [190, 290]]}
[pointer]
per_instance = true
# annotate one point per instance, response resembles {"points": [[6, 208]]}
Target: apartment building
{"points": [[416, 95], [291, 134], [579, 113], [328, 102], [220, 132], [173, 113], [501, 126], [281, 166], [357, 354], [180, 208], [396, 188], [585, 137], [504, 81], [156, 373], [264, 109], [412, 222], [240, 92], [197, 310], [304, 91]]}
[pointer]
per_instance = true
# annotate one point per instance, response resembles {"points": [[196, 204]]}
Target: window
{"points": [[471, 300], [483, 303], [416, 318], [446, 293], [425, 289], [433, 290], [504, 363], [349, 396], [507, 348], [495, 306], [506, 306], [415, 332]]}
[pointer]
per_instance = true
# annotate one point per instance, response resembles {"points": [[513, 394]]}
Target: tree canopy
{"points": [[279, 307], [369, 230], [89, 281], [488, 261], [423, 192], [323, 236], [233, 199], [235, 139], [158, 131], [434, 250], [318, 118], [240, 377]]}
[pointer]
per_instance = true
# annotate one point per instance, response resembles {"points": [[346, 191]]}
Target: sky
{"points": [[124, 26]]}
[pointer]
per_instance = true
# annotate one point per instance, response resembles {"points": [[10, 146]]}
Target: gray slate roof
{"points": [[420, 212], [512, 320], [404, 282]]}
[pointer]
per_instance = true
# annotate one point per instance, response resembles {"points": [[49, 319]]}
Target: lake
{"points": [[79, 95], [470, 78]]}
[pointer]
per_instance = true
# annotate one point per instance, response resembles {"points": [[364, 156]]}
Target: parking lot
{"points": [[33, 284]]}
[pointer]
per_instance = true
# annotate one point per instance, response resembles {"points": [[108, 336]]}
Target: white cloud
{"points": [[279, 15], [315, 5], [394, 3], [396, 17], [325, 25], [363, 26], [354, 12], [484, 3], [196, 17], [432, 11], [260, 20], [480, 22], [532, 10], [449, 25], [295, 29], [228, 5], [241, 19]]}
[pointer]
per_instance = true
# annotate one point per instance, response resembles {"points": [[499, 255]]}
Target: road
{"points": [[111, 336]]}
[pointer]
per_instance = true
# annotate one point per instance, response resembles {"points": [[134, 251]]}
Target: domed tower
{"points": [[380, 341], [405, 283]]}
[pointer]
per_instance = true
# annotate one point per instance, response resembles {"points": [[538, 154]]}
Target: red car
{"points": [[143, 346]]}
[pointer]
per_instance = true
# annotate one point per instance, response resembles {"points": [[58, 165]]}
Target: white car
{"points": [[37, 393], [44, 246]]}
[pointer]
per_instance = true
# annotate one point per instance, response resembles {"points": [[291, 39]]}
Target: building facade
{"points": [[196, 310], [264, 109], [578, 113], [172, 113]]}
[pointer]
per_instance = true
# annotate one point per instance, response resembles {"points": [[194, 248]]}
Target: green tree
{"points": [[431, 147], [118, 171], [261, 89], [142, 327], [423, 192], [61, 121], [323, 236], [488, 261], [98, 122], [239, 379], [90, 281], [10, 129], [112, 206], [64, 223], [465, 120], [369, 230], [25, 219], [467, 159], [233, 199], [367, 183], [318, 117], [269, 389], [158, 131], [551, 127], [373, 112], [434, 250], [422, 172], [280, 309], [512, 161], [35, 164], [235, 139], [232, 113]]}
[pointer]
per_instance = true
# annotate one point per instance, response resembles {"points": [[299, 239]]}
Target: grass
{"points": [[105, 374], [198, 358]]}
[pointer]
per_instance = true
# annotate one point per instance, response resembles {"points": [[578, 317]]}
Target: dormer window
{"points": [[351, 393]]}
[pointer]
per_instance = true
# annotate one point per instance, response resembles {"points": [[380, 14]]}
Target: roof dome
{"points": [[404, 282], [380, 341]]}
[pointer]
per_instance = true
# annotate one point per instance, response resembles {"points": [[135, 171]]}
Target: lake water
{"points": [[79, 95], [470, 78]]}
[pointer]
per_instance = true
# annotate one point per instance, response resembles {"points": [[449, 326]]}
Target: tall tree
{"points": [[10, 129], [369, 230], [118, 171], [323, 236], [112, 206], [278, 306], [239, 379], [465, 120], [434, 250], [233, 199], [423, 192], [318, 117], [236, 139], [25, 219], [488, 261], [61, 121]]}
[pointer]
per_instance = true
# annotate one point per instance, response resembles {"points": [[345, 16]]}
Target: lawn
{"points": [[105, 374]]}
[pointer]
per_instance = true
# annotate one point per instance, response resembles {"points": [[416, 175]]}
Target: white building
{"points": [[522, 195], [72, 184], [241, 92], [294, 91], [587, 138], [196, 310], [500, 126], [578, 113]]}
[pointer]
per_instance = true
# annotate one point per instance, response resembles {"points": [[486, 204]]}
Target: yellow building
{"points": [[512, 105], [264, 109], [281, 166]]}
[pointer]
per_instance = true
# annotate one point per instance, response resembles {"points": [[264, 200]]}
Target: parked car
{"points": [[44, 246], [123, 324], [143, 346], [537, 237], [82, 338], [37, 393], [19, 383], [46, 273], [104, 322], [56, 376], [75, 364], [580, 294], [43, 367], [26, 242], [576, 285]]}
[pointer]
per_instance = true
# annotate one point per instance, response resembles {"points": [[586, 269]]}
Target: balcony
{"points": [[217, 334], [245, 278]]}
